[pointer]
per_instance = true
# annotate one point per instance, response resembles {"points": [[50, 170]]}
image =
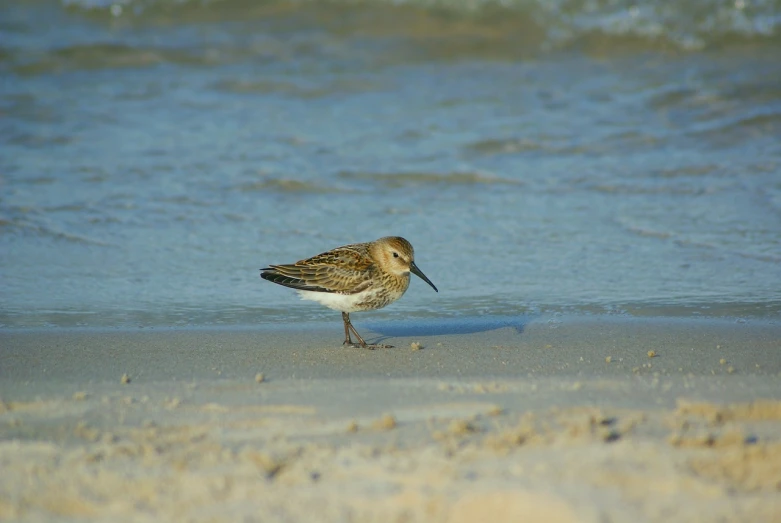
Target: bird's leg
{"points": [[348, 327]]}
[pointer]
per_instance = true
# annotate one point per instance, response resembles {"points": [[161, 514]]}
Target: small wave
{"points": [[717, 96], [500, 146], [291, 89], [486, 26], [34, 221], [759, 256], [184, 200], [288, 185], [673, 97], [403, 179], [106, 56], [686, 171], [548, 145], [745, 128], [39, 141], [770, 197], [9, 226], [761, 253], [648, 233], [641, 188]]}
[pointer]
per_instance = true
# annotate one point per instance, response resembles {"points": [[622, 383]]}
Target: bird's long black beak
{"points": [[417, 272]]}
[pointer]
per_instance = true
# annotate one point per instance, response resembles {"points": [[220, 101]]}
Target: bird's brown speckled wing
{"points": [[344, 270]]}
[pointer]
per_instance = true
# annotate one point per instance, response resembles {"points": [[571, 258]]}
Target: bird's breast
{"points": [[376, 296]]}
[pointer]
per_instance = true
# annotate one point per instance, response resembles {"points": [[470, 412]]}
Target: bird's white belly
{"points": [[369, 299]]}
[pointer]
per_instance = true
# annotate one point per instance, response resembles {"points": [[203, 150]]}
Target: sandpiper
{"points": [[352, 278]]}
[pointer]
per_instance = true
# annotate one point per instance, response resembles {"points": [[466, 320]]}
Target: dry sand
{"points": [[560, 420]]}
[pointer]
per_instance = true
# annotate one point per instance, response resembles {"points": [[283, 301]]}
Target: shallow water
{"points": [[580, 157]]}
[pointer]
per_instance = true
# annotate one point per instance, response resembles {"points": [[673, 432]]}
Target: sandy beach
{"points": [[557, 419], [592, 188]]}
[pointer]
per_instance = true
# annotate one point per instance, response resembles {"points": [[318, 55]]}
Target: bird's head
{"points": [[396, 256]]}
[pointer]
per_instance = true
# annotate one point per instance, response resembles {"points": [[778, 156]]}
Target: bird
{"points": [[352, 278]]}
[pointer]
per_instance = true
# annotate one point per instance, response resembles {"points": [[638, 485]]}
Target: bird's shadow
{"points": [[445, 326]]}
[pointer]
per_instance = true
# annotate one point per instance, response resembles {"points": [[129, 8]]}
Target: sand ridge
{"points": [[447, 458]]}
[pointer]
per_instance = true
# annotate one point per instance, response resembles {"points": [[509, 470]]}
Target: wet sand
{"points": [[551, 419]]}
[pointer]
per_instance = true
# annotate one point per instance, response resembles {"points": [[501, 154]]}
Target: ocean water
{"points": [[592, 156]]}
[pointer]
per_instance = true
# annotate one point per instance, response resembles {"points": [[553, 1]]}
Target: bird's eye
{"points": [[395, 255]]}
